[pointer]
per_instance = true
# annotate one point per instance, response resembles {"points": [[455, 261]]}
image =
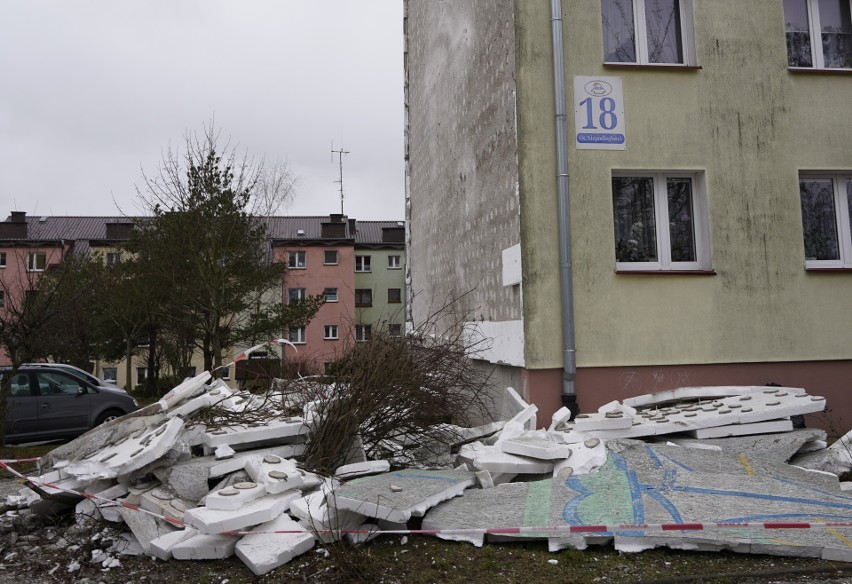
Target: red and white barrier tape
{"points": [[537, 530]]}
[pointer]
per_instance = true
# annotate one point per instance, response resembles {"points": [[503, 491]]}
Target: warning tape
{"points": [[535, 530]]}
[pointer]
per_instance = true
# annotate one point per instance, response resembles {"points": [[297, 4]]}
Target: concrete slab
{"points": [[164, 501], [161, 547], [776, 447], [494, 460], [183, 390], [205, 547], [212, 521], [145, 527], [263, 552], [356, 469], [768, 427], [273, 430], [654, 484], [235, 497], [396, 496], [535, 445]]}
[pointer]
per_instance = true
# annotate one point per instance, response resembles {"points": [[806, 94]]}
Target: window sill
{"points": [[331, 264], [830, 270], [653, 67], [329, 339], [297, 267], [666, 272], [363, 306], [815, 71], [362, 271]]}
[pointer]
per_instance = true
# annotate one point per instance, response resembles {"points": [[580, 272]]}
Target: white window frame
{"points": [[815, 31], [687, 33], [701, 231], [141, 375], [299, 296], [329, 295], [330, 332], [363, 332], [297, 259], [841, 217], [298, 335], [325, 261], [362, 263], [113, 258], [32, 261], [394, 262], [2, 259]]}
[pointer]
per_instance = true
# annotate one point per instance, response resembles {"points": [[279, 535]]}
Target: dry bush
{"points": [[400, 395]]}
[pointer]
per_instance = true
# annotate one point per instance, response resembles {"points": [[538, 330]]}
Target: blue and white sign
{"points": [[599, 113]]}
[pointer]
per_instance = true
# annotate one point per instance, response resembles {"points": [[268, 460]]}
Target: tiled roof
{"points": [[53, 228]]}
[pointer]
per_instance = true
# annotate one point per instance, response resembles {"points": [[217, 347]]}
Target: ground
{"points": [[37, 550]]}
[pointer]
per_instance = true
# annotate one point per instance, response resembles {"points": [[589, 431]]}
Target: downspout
{"points": [[569, 362]]}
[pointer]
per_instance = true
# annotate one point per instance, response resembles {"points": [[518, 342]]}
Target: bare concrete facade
{"points": [[462, 152], [737, 117]]}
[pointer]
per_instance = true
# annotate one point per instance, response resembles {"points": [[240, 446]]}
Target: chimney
{"points": [[15, 227]]}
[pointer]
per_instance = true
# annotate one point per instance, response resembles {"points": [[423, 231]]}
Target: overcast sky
{"points": [[94, 91]]}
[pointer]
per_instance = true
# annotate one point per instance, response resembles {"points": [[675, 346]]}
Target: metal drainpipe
{"points": [[569, 362]]}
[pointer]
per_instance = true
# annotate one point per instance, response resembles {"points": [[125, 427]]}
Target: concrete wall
{"points": [[463, 174], [744, 121]]}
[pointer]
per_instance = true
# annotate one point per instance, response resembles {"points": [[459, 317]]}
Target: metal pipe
{"points": [[569, 363]]}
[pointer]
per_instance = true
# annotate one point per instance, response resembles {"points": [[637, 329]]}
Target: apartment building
{"points": [[636, 195], [319, 252]]}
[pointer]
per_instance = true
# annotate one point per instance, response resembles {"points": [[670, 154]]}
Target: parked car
{"points": [[47, 403], [77, 372]]}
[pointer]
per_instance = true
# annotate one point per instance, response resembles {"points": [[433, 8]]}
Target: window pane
{"points": [[662, 19], [836, 33], [819, 224], [618, 31], [681, 220], [798, 33], [635, 225]]}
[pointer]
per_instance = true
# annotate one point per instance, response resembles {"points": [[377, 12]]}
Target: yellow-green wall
{"points": [[750, 126]]}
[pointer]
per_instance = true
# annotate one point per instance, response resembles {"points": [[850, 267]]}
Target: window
{"points": [[330, 294], [330, 258], [54, 383], [141, 375], [648, 32], [643, 206], [2, 259], [296, 259], [295, 295], [297, 335], [394, 295], [2, 298], [190, 372], [827, 220], [363, 332], [819, 33], [330, 332], [395, 330], [110, 374], [36, 261], [393, 262], [113, 258], [362, 263], [363, 297]]}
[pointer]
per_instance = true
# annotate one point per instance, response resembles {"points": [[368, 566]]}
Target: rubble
{"points": [[208, 472]]}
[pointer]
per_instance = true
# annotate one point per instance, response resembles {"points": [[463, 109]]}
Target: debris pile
{"points": [[209, 472]]}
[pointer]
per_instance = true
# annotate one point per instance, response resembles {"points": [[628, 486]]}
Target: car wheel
{"points": [[108, 416]]}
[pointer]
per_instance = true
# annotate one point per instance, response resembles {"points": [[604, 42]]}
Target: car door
{"points": [[22, 406], [64, 403]]}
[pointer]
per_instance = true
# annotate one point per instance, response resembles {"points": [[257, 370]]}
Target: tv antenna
{"points": [[340, 154]]}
